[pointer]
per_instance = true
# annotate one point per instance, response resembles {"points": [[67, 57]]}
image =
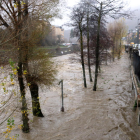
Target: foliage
{"points": [[41, 67], [117, 30], [9, 98], [24, 22], [10, 126]]}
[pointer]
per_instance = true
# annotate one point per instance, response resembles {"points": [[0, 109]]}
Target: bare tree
{"points": [[101, 9], [77, 17], [105, 44], [88, 10]]}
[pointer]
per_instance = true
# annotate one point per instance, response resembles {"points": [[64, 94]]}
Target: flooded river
{"points": [[105, 114]]}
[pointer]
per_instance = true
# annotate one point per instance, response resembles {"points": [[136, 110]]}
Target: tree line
{"points": [[89, 22]]}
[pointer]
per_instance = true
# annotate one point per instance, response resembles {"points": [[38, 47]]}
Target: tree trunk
{"points": [[89, 68], [106, 56], [25, 127], [113, 52], [35, 100], [33, 90], [120, 50], [97, 51], [82, 55], [114, 47], [33, 85]]}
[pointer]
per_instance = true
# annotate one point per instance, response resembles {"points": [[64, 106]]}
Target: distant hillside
{"points": [[67, 37]]}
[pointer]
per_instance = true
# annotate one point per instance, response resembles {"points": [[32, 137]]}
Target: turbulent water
{"points": [[105, 114]]}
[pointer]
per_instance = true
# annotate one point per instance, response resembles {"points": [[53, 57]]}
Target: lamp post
{"points": [[62, 108]]}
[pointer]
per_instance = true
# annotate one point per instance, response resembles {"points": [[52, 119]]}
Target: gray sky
{"points": [[65, 13], [133, 4]]}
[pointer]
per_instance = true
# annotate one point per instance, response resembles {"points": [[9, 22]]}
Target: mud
{"points": [[105, 114]]}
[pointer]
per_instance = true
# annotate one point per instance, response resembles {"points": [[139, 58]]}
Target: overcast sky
{"points": [[65, 13], [133, 4]]}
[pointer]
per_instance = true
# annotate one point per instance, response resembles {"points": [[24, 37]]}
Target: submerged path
{"points": [[106, 114]]}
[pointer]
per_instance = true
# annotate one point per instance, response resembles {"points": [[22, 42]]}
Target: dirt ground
{"points": [[105, 114]]}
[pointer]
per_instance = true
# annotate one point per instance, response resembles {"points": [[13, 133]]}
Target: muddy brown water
{"points": [[105, 114]]}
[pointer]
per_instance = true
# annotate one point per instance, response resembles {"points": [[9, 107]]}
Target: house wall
{"points": [[58, 31]]}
